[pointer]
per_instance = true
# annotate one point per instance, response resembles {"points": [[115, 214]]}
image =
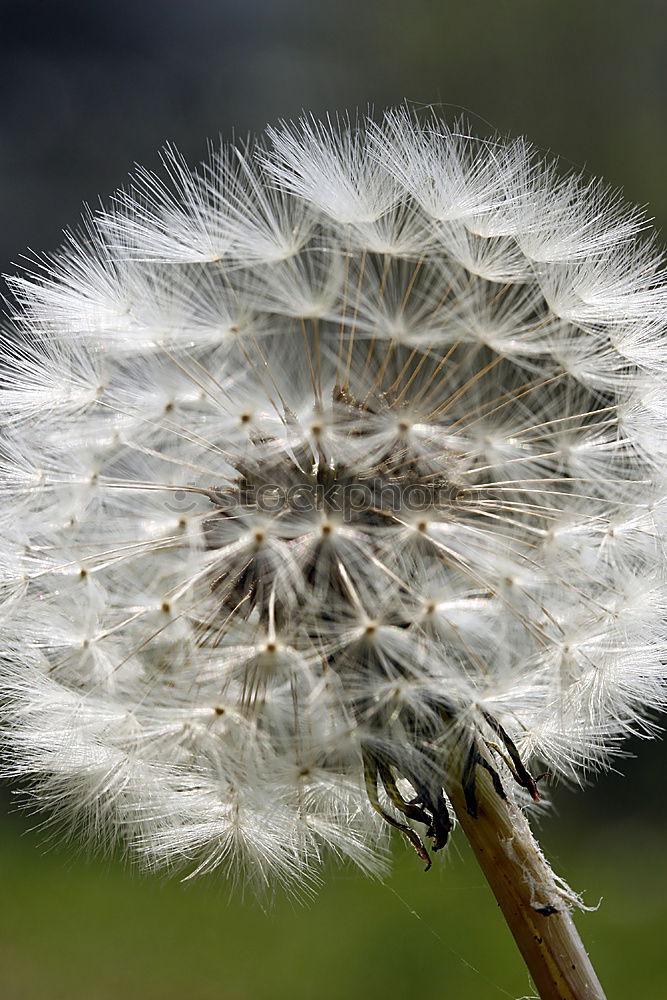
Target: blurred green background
{"points": [[75, 929], [90, 86]]}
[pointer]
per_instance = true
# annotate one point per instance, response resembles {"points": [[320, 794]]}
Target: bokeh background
{"points": [[87, 87]]}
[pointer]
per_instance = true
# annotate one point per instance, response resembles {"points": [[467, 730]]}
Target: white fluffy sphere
{"points": [[344, 450]]}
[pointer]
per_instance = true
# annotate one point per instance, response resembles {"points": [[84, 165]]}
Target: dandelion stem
{"points": [[534, 902]]}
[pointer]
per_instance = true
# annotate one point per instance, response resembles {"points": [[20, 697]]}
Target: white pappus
{"points": [[345, 450]]}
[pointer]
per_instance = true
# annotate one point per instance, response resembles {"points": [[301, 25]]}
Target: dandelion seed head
{"points": [[315, 462]]}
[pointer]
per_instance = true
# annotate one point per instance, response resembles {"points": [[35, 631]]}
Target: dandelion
{"points": [[334, 498]]}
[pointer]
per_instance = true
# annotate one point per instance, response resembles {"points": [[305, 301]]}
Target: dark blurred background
{"points": [[88, 87]]}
